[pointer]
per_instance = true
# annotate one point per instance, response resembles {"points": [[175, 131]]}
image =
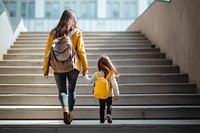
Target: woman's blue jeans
{"points": [[61, 81]]}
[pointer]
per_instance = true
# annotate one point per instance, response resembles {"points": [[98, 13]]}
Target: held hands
{"points": [[84, 72]]}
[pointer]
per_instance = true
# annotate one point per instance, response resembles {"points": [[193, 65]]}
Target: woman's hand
{"points": [[46, 72], [84, 72], [45, 76]]}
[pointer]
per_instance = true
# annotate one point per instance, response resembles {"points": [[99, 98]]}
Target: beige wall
{"points": [[175, 28]]}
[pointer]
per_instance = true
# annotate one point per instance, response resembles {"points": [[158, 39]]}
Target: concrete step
{"points": [[121, 69], [85, 41], [90, 100], [86, 33], [22, 38], [132, 88], [107, 35], [89, 126], [91, 56], [45, 35], [91, 112], [123, 79], [141, 88], [117, 62], [132, 45], [91, 50], [94, 44]]}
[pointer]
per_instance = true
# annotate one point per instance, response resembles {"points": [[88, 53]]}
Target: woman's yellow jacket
{"points": [[78, 43]]}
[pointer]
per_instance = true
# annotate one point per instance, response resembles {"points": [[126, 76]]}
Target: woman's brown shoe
{"points": [[70, 116], [66, 115]]}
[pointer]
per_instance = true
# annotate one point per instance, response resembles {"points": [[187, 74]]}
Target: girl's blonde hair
{"points": [[104, 64]]}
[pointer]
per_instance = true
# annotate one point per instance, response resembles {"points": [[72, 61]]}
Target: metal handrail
{"points": [[2, 8], [168, 1]]}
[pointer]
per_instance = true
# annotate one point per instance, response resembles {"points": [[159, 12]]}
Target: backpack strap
{"points": [[72, 33], [97, 75], [108, 75]]}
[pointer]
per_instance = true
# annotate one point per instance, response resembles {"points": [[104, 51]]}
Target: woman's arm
{"points": [[45, 63], [81, 52]]}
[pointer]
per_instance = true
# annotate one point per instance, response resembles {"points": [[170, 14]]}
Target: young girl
{"points": [[105, 66]]}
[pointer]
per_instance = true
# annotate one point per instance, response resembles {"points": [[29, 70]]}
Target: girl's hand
{"points": [[116, 98]]}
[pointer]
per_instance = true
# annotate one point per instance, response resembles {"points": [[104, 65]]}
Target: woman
{"points": [[66, 24]]}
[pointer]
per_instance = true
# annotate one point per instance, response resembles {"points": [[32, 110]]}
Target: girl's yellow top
{"points": [[78, 43]]}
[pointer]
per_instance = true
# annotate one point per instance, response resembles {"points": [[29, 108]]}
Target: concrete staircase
{"points": [[155, 96]]}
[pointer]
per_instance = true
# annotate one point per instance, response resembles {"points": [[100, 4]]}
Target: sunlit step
{"points": [[93, 69], [90, 56], [131, 88], [92, 112], [117, 62], [91, 50], [123, 79], [85, 100]]}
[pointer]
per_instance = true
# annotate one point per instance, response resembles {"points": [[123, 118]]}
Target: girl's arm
{"points": [[114, 85], [89, 80]]}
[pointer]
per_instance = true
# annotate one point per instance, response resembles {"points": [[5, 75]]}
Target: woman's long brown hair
{"points": [[105, 65], [67, 22]]}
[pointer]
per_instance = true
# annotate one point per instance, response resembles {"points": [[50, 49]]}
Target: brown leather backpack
{"points": [[62, 55]]}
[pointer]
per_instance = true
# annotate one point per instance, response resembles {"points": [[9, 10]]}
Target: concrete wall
{"points": [[7, 35], [175, 28]]}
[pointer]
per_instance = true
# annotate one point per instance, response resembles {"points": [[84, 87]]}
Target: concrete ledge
{"points": [[85, 126], [90, 123]]}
